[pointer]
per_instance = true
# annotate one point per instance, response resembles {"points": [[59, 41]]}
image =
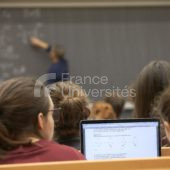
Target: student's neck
{"points": [[31, 138]]}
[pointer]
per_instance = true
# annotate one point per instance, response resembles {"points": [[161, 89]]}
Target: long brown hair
{"points": [[72, 101], [19, 111], [151, 82]]}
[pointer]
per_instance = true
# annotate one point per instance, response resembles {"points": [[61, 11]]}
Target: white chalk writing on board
{"points": [[24, 33], [6, 14], [10, 56], [32, 13]]}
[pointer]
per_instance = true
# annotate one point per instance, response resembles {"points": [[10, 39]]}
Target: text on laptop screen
{"points": [[120, 140]]}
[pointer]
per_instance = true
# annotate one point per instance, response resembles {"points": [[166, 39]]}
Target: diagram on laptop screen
{"points": [[120, 142]]}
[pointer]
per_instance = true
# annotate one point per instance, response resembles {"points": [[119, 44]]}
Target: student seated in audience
{"points": [[102, 110], [164, 109], [117, 102], [27, 125], [73, 104], [151, 82]]}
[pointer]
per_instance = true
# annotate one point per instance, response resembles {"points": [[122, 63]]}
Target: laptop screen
{"points": [[120, 139]]}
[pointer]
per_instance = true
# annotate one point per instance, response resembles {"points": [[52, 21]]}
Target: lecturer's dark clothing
{"points": [[60, 69]]}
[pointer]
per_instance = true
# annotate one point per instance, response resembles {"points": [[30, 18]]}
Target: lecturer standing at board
{"points": [[59, 64]]}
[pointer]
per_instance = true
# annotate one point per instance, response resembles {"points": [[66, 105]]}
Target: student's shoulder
{"points": [[66, 151]]}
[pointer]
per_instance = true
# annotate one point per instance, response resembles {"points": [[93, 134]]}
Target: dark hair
{"points": [[117, 102], [164, 106], [19, 111], [152, 80], [72, 101]]}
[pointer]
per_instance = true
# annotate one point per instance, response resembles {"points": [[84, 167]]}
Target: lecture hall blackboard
{"points": [[116, 42]]}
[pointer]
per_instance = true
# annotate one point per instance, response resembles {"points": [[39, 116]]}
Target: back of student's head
{"points": [[19, 111], [73, 107], [102, 110], [117, 102], [152, 80]]}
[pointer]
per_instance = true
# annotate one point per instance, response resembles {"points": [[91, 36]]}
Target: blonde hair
{"points": [[102, 110]]}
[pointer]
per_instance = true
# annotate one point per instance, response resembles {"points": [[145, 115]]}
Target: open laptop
{"points": [[129, 138]]}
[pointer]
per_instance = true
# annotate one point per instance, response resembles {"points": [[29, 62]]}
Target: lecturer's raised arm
{"points": [[36, 42]]}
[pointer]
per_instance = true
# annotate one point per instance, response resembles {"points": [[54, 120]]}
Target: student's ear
{"points": [[40, 121]]}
